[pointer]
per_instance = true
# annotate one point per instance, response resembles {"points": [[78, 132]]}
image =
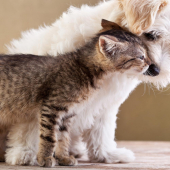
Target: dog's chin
{"points": [[159, 81]]}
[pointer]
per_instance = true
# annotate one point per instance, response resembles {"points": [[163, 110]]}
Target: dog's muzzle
{"points": [[153, 70]]}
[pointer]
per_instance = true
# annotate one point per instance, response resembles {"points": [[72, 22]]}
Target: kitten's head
{"points": [[126, 52]]}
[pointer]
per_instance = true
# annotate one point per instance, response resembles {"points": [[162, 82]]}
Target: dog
{"points": [[149, 19]]}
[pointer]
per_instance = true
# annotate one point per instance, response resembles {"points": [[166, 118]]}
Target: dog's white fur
{"points": [[97, 122]]}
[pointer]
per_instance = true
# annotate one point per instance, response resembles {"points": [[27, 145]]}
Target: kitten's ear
{"points": [[108, 45], [108, 24]]}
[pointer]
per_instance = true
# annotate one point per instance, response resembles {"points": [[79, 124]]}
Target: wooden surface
{"points": [[149, 155]]}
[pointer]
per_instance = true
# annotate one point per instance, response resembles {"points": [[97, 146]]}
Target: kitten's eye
{"points": [[141, 57], [151, 36]]}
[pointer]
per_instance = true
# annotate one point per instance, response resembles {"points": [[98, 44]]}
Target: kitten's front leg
{"points": [[49, 120], [62, 147]]}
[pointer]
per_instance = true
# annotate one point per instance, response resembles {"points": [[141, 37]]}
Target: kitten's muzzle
{"points": [[153, 70]]}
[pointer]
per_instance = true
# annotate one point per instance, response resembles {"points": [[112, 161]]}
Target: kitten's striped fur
{"points": [[49, 87]]}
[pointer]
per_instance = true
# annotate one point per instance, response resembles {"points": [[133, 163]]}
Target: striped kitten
{"points": [[54, 88]]}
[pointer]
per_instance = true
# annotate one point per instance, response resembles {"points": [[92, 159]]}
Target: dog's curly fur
{"points": [[96, 126]]}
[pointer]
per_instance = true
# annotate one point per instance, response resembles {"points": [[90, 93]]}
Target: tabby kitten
{"points": [[54, 88]]}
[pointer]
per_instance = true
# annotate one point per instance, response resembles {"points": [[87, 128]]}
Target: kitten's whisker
{"points": [[148, 88], [144, 89], [152, 88]]}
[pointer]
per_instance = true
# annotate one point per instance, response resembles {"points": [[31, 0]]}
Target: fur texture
{"points": [[97, 122], [54, 88]]}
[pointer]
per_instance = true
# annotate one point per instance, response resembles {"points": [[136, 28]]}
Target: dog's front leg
{"points": [[100, 140]]}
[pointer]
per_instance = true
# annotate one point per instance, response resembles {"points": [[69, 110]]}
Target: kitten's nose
{"points": [[153, 70]]}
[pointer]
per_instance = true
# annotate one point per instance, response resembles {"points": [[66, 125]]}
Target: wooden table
{"points": [[149, 155]]}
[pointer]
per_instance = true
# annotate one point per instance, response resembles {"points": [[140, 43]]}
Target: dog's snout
{"points": [[153, 70]]}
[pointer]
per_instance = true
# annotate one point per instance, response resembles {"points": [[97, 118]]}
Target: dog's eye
{"points": [[151, 36]]}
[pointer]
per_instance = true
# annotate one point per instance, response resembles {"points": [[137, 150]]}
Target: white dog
{"points": [[97, 122]]}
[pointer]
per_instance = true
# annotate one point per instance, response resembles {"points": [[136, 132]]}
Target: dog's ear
{"points": [[108, 24], [141, 14], [108, 45]]}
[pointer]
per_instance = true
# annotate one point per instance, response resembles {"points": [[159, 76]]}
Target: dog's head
{"points": [[150, 19]]}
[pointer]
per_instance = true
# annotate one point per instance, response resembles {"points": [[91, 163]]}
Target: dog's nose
{"points": [[153, 70]]}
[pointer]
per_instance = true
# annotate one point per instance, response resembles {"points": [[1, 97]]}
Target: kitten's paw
{"points": [[20, 156], [46, 162], [67, 161], [119, 155]]}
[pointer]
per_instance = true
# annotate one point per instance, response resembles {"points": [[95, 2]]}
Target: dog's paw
{"points": [[67, 161], [77, 153], [46, 162], [78, 150], [119, 155], [20, 156]]}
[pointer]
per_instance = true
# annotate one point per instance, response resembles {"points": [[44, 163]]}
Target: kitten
{"points": [[54, 88]]}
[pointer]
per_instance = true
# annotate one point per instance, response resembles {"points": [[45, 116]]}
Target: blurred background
{"points": [[146, 113]]}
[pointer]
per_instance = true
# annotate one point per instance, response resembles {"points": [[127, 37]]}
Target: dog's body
{"points": [[96, 124]]}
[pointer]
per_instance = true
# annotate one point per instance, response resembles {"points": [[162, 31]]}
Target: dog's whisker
{"points": [[144, 89]]}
